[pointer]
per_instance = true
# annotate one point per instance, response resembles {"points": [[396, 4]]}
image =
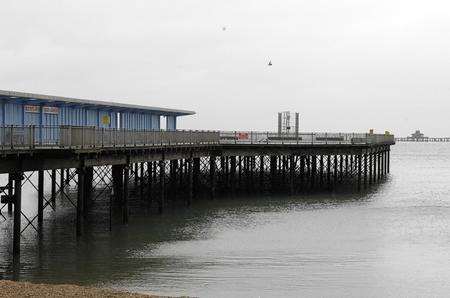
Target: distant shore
{"points": [[25, 289]]}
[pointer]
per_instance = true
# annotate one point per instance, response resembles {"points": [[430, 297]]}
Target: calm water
{"points": [[392, 241]]}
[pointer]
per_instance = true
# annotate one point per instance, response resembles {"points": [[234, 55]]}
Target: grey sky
{"points": [[344, 65]]}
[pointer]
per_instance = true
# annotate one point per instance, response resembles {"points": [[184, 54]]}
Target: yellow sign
{"points": [[106, 120]]}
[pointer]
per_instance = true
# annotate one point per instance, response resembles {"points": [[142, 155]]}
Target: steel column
{"points": [[40, 200]]}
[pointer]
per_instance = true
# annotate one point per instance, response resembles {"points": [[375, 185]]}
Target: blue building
{"points": [[24, 109]]}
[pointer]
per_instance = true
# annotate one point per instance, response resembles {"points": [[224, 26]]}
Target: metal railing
{"points": [[75, 137], [313, 138]]}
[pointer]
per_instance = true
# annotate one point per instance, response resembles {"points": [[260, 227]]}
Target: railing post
{"points": [[32, 131], [69, 136], [103, 141], [326, 138], [235, 137], [82, 137], [11, 137], [251, 137], [312, 138]]}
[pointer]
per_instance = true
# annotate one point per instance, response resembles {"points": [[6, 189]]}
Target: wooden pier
{"points": [[164, 167]]}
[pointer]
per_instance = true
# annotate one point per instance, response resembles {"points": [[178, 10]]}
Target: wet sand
{"points": [[26, 289]]}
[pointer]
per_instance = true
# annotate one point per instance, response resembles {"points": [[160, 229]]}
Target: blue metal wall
{"points": [[139, 121], [34, 112], [171, 122]]}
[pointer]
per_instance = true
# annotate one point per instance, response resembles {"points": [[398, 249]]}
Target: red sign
{"points": [[31, 109], [242, 136]]}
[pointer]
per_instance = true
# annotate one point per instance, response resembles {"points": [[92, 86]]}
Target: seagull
{"points": [[270, 63]]}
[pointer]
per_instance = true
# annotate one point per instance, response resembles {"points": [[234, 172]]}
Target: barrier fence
{"points": [[29, 137]]}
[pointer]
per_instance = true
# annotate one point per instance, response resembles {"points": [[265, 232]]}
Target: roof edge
{"points": [[52, 98]]}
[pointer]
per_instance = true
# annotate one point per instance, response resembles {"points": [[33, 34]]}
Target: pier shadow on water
{"points": [[139, 251]]}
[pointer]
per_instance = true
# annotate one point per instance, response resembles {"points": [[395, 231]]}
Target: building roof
{"points": [[58, 100]]}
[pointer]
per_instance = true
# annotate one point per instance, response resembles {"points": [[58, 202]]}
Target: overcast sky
{"points": [[346, 65]]}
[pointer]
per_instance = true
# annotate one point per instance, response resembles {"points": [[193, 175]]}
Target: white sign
{"points": [[50, 110]]}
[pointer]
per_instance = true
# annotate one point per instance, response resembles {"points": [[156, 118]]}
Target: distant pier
{"points": [[417, 136], [427, 139]]}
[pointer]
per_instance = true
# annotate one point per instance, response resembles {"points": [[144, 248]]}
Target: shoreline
{"points": [[10, 288]]}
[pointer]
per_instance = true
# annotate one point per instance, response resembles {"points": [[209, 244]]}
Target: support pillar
{"points": [[10, 192], [126, 178], [117, 177], [212, 176], [291, 174], [389, 161], [17, 177], [329, 172], [40, 200], [190, 182], [80, 199], [68, 177], [196, 172], [335, 179], [365, 170], [359, 171], [61, 182], [53, 190], [136, 176], [141, 183], [273, 172], [321, 170], [302, 172], [162, 185], [233, 174], [149, 182], [88, 184]]}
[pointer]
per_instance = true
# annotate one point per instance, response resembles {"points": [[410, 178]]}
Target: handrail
{"points": [[74, 137]]}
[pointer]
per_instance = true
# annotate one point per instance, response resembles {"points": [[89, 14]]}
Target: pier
{"points": [[165, 166], [115, 158]]}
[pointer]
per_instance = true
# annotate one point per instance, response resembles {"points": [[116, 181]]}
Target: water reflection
{"points": [[390, 241]]}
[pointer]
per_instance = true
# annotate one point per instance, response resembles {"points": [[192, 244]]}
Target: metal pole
{"points": [[17, 216], [233, 174], [291, 173], [126, 178], [212, 175], [80, 199], [40, 200], [10, 192], [359, 171], [162, 175], [53, 197], [190, 182]]}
